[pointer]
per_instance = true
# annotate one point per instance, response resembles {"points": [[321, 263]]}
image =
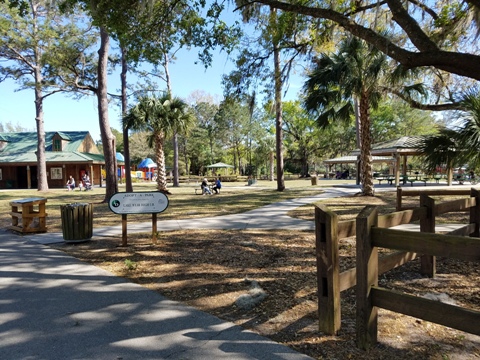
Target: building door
{"points": [[22, 177], [34, 177], [22, 181]]}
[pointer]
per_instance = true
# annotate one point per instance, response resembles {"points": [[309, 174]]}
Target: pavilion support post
{"points": [[397, 170]]}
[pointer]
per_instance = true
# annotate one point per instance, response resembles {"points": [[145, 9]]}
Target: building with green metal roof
{"points": [[67, 153]]}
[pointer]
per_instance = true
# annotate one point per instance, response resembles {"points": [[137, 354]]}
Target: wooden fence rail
{"points": [[329, 231], [432, 192], [369, 296]]}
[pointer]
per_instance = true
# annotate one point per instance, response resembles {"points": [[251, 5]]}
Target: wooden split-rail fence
{"points": [[373, 231]]}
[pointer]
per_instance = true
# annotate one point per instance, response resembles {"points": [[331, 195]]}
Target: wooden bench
{"points": [[201, 190], [25, 211]]}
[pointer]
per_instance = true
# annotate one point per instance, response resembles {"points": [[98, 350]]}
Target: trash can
{"points": [[314, 180], [77, 222]]}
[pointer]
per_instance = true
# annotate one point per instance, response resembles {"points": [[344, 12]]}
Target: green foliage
{"points": [[458, 146], [395, 118], [118, 140], [355, 69], [130, 264], [20, 5], [301, 136], [60, 46]]}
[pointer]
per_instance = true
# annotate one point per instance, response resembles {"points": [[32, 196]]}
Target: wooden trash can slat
{"points": [[77, 222]]}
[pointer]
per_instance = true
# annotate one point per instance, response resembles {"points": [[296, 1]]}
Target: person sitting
{"points": [[86, 182], [217, 186], [205, 187], [71, 183]]}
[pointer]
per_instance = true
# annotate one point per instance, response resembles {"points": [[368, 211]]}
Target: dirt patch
{"points": [[274, 273]]}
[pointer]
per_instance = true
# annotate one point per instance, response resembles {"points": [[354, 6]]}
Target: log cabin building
{"points": [[66, 153]]}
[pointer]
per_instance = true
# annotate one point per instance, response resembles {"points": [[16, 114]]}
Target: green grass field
{"points": [[183, 202]]}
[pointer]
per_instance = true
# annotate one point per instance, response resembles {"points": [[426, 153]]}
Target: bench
{"points": [[24, 220], [211, 190]]}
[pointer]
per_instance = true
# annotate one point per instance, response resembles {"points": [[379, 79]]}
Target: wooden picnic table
{"points": [[28, 215]]}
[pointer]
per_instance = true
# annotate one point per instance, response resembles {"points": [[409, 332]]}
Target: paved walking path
{"points": [[273, 216], [55, 307]]}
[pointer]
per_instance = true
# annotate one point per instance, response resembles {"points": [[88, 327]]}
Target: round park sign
{"points": [[138, 203]]}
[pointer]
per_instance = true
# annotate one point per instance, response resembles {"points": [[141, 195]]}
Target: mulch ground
{"points": [[265, 281]]}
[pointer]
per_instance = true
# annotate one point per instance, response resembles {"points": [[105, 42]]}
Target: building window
{"points": [[56, 173], [57, 145]]}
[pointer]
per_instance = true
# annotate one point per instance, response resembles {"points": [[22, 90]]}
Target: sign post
{"points": [[138, 203]]}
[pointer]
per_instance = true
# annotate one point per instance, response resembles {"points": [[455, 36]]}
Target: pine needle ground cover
{"points": [[274, 275]]}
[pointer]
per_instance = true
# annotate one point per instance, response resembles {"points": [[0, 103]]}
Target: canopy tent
{"points": [[220, 165], [147, 163], [119, 157]]}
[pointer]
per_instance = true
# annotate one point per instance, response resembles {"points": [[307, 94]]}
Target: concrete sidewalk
{"points": [[56, 307], [273, 216]]}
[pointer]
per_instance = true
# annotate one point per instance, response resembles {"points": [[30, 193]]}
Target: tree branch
{"points": [[420, 106], [463, 64]]}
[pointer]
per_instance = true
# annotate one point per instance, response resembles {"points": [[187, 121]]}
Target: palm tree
{"points": [[457, 146], [162, 117], [355, 72]]}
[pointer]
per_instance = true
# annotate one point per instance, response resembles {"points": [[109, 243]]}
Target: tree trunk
{"points": [[366, 148], [185, 156], [160, 159], [42, 182], [236, 163], [272, 165], [108, 140], [176, 182], [357, 122], [278, 117], [126, 144]]}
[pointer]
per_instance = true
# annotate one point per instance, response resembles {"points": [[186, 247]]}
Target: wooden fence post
{"points": [[328, 282], [428, 264], [475, 212], [367, 276], [399, 198]]}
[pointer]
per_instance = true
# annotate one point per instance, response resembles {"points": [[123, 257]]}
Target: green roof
{"points": [[27, 141], [21, 147], [405, 144]]}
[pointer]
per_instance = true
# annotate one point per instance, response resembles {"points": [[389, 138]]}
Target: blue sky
{"points": [[62, 113]]}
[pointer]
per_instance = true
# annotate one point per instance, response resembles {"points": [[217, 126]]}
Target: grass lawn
{"points": [[183, 202]]}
